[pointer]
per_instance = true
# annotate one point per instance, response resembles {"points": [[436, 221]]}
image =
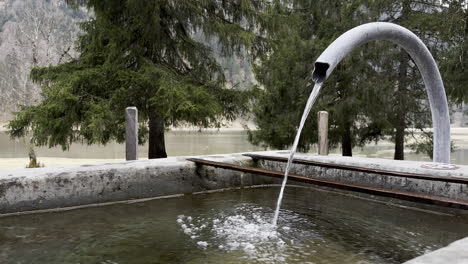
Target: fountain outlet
{"points": [[357, 36]]}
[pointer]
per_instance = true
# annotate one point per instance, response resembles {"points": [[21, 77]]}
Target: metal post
{"points": [[322, 117], [131, 133]]}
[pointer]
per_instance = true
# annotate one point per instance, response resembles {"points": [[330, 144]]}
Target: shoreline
{"points": [[190, 141], [21, 163], [241, 125]]}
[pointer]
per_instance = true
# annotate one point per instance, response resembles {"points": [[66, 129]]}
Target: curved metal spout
{"points": [[357, 36]]}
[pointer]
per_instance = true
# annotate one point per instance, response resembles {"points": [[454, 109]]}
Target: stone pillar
{"points": [[131, 133], [322, 132]]}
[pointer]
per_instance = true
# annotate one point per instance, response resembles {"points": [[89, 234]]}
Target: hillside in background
{"points": [[32, 33], [42, 33]]}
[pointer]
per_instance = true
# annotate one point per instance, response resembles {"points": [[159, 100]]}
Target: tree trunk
{"points": [[400, 142], [346, 145], [400, 124], [401, 94], [157, 146]]}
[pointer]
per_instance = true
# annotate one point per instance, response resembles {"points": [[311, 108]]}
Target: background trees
{"points": [[375, 92], [406, 93], [142, 53], [454, 36], [166, 58], [305, 30]]}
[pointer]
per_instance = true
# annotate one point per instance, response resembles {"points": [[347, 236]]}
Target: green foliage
{"points": [[301, 34], [429, 20], [455, 53], [377, 91], [143, 53], [424, 144]]}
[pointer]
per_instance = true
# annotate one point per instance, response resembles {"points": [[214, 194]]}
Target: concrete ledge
{"points": [[44, 188], [384, 164], [436, 188], [455, 253]]}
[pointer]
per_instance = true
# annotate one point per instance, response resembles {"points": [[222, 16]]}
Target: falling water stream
{"points": [[310, 103], [248, 233]]}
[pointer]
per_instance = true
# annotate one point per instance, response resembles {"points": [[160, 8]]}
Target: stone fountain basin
{"points": [[24, 191]]}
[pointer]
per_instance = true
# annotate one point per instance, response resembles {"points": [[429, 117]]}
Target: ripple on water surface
{"points": [[245, 233], [315, 226]]}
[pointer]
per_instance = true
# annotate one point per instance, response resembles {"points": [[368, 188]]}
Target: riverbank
{"points": [[14, 153], [19, 163]]}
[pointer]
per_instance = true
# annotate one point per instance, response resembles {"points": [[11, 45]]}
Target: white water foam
{"points": [[247, 229], [235, 232], [310, 103], [243, 233]]}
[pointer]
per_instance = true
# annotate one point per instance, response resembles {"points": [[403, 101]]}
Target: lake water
{"points": [[183, 143], [315, 226]]}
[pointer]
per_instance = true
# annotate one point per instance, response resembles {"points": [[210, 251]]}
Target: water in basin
{"points": [[315, 226]]}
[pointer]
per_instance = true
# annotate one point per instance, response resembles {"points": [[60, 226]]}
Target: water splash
{"points": [[310, 103], [246, 232]]}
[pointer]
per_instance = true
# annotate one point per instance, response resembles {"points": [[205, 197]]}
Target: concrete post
{"points": [[322, 117], [131, 133]]}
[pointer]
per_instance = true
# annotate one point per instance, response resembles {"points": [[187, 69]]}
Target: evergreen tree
{"points": [[455, 53], [142, 53], [304, 30], [405, 89], [375, 91]]}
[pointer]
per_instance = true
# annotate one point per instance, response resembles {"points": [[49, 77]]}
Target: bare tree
{"points": [[33, 33]]}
